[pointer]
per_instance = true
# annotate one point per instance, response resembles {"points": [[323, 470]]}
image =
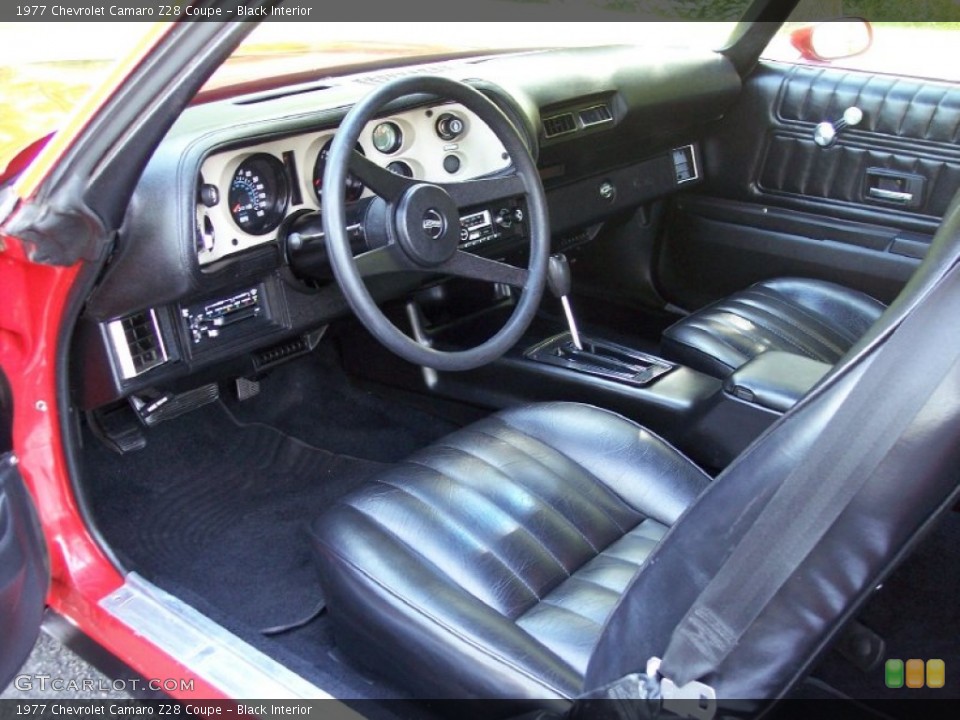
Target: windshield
{"points": [[46, 68], [281, 49]]}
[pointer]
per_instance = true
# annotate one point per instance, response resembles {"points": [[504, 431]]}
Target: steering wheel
{"points": [[415, 226]]}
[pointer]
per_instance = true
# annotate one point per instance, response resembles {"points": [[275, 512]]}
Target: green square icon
{"points": [[893, 673]]}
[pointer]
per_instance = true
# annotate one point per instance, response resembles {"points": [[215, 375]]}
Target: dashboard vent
{"points": [[278, 353], [685, 164], [559, 125], [138, 343], [596, 115]]}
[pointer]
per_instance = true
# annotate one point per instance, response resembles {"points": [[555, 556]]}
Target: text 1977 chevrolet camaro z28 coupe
{"points": [[529, 375]]}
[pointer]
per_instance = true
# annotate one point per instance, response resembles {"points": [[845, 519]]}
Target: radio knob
{"points": [[504, 218]]}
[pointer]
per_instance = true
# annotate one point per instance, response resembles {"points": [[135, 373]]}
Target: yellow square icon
{"points": [[936, 673], [915, 673]]}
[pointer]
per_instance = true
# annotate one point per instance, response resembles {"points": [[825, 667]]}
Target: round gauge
{"points": [[387, 137], [354, 186], [400, 168], [258, 194]]}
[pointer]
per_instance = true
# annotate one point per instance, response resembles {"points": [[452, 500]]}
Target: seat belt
{"points": [[879, 409]]}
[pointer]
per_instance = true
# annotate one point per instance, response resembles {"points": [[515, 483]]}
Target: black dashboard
{"points": [[205, 279]]}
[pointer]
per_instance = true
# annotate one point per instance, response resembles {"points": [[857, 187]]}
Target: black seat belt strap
{"points": [[879, 409]]}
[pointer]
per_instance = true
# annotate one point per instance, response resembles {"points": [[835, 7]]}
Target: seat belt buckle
{"points": [[695, 700]]}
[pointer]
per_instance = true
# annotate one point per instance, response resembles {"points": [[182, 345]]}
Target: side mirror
{"points": [[833, 40]]}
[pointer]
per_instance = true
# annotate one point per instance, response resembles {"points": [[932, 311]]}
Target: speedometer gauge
{"points": [[354, 186], [258, 194]]}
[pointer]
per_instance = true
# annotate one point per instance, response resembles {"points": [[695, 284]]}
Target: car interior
{"points": [[402, 377]]}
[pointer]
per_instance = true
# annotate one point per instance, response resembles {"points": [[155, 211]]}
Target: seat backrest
{"points": [[917, 481]]}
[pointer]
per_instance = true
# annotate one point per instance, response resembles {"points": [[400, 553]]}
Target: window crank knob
{"points": [[825, 133]]}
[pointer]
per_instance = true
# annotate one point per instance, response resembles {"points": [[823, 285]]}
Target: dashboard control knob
{"points": [[209, 195], [451, 163], [449, 126], [504, 218]]}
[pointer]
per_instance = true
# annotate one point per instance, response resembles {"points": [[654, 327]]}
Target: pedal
{"points": [[159, 408], [117, 427], [861, 646], [247, 388]]}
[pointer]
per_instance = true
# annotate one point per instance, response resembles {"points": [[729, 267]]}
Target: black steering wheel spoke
{"points": [[485, 190], [380, 261], [384, 183], [467, 265]]}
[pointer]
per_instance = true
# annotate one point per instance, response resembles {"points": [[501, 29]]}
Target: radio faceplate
{"points": [[493, 227]]}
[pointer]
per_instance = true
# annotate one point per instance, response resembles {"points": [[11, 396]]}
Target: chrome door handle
{"points": [[891, 195]]}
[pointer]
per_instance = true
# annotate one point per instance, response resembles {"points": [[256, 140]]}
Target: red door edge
{"points": [[33, 303]]}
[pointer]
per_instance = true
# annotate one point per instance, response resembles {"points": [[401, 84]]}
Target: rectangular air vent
{"points": [[596, 115], [685, 164], [559, 125], [138, 343]]}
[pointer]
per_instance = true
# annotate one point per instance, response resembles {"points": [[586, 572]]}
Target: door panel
{"points": [[24, 571], [860, 212]]}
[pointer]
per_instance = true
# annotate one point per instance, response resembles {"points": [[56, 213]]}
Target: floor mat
{"points": [[314, 400], [221, 507]]}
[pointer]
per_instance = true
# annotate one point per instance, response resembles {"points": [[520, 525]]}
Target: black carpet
{"points": [[314, 400], [220, 507], [214, 510]]}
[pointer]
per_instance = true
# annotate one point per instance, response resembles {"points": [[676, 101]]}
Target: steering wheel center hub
{"points": [[428, 225]]}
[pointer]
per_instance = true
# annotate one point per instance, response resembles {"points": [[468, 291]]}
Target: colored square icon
{"points": [[915, 673], [893, 673], [936, 673]]}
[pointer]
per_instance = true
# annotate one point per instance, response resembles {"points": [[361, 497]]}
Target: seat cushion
{"points": [[486, 565], [812, 318]]}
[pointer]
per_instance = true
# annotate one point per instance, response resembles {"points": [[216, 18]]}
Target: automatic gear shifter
{"points": [[558, 278], [591, 356]]}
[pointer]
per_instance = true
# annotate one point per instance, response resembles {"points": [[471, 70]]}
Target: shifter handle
{"points": [[558, 278], [558, 275]]}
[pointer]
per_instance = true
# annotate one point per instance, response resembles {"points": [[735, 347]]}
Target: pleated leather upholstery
{"points": [[494, 557], [812, 318]]}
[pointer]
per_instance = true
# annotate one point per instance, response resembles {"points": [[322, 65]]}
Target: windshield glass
{"points": [[46, 68], [274, 48]]}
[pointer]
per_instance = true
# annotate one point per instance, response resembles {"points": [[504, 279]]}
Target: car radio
{"points": [[492, 227]]}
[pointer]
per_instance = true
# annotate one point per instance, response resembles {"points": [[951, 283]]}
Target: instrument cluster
{"points": [[244, 194]]}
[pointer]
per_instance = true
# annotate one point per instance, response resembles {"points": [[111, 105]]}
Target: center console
{"points": [[709, 419], [601, 358]]}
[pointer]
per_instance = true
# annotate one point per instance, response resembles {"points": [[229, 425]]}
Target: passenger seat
{"points": [[812, 318]]}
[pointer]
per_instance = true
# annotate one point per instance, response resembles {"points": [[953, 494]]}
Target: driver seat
{"points": [[487, 564], [550, 550]]}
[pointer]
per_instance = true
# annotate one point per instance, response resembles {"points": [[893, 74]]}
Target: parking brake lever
{"points": [[558, 278]]}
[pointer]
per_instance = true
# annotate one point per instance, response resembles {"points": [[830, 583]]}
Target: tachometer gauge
{"points": [[258, 194], [387, 137], [354, 186]]}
